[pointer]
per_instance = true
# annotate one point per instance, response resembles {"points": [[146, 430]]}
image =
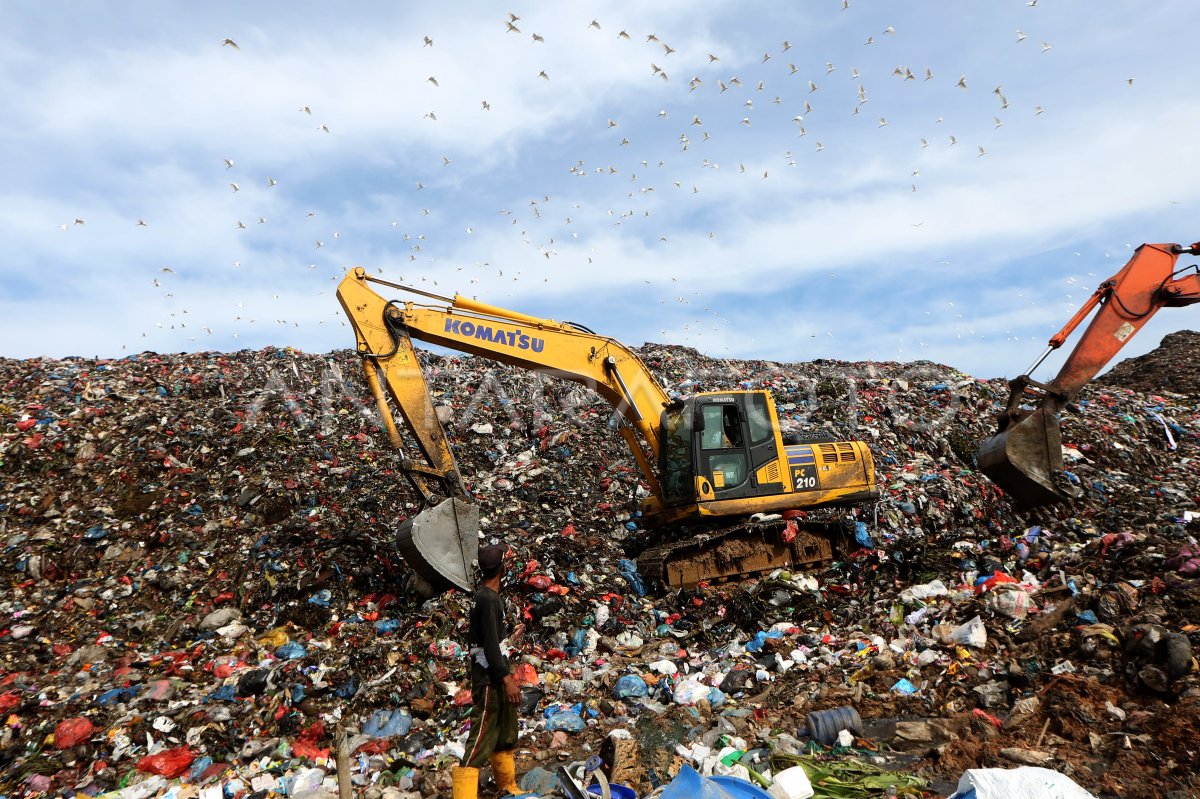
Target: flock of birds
{"points": [[549, 229]]}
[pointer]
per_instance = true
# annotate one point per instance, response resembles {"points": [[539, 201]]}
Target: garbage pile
{"points": [[202, 595]]}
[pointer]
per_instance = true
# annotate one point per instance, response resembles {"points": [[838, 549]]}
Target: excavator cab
{"points": [[720, 446]]}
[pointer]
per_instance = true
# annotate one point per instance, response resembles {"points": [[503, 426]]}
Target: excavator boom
{"points": [[1025, 456]]}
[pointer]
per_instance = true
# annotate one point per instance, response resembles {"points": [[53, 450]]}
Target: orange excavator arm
{"points": [[1025, 457]]}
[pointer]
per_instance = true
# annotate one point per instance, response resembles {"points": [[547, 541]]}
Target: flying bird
{"points": [[622, 35], [485, 106], [432, 79], [235, 187], [272, 182], [428, 42], [1045, 47], [229, 163], [594, 24], [230, 43], [306, 110], [142, 223], [962, 82], [1021, 36], [513, 28], [543, 75]]}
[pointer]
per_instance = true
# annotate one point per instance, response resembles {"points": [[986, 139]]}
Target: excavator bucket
{"points": [[441, 545], [1026, 461]]}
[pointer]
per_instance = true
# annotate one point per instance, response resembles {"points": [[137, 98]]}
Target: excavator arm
{"points": [[1025, 456], [440, 542]]}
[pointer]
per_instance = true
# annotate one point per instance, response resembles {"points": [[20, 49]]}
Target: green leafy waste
{"points": [[851, 779]]}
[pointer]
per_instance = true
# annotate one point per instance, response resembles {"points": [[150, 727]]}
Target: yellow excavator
{"points": [[709, 461]]}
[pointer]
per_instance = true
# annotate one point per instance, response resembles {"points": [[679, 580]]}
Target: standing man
{"points": [[494, 691]]}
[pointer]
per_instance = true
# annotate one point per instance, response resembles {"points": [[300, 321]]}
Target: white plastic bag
{"points": [[1019, 783]]}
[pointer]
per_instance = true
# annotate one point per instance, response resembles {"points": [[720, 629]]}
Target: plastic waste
{"points": [[1018, 783], [630, 686], [73, 732], [566, 721], [791, 783], [824, 725]]}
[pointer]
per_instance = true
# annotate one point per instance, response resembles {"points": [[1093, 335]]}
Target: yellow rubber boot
{"points": [[504, 771], [466, 782]]}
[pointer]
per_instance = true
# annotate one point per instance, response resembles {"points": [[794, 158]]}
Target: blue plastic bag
{"points": [[863, 536], [387, 724], [290, 651], [629, 571], [630, 686], [565, 720]]}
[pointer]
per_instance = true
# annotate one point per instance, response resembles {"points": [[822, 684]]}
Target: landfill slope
{"points": [[202, 588], [1172, 366]]}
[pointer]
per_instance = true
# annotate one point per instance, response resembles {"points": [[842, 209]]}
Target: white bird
{"points": [[167, 269], [512, 28], [320, 244], [234, 186], [622, 35], [962, 82], [996, 122], [928, 73], [537, 37], [889, 29], [812, 87], [1021, 35], [305, 109], [142, 223], [953, 141], [323, 128], [1045, 47], [543, 75], [829, 67], [432, 79], [430, 116], [1037, 110], [870, 40], [594, 24], [272, 182], [854, 74], [230, 43], [229, 163], [428, 42], [982, 153], [882, 122], [786, 45], [485, 106], [820, 147], [241, 225]]}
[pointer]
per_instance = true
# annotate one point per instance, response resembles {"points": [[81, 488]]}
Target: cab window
{"points": [[758, 418], [722, 428]]}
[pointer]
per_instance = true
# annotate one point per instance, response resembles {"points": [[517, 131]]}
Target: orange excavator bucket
{"points": [[1025, 460]]}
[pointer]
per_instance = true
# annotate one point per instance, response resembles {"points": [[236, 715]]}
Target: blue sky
{"points": [[735, 220]]}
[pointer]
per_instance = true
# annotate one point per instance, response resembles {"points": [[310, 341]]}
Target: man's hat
{"points": [[491, 559]]}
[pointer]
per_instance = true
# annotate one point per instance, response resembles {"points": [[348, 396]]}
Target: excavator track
{"points": [[740, 551]]}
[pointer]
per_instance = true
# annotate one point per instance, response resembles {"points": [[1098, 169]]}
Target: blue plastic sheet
{"points": [[688, 784]]}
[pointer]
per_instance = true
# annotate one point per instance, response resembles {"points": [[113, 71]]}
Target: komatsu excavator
{"points": [[709, 461], [1025, 457]]}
